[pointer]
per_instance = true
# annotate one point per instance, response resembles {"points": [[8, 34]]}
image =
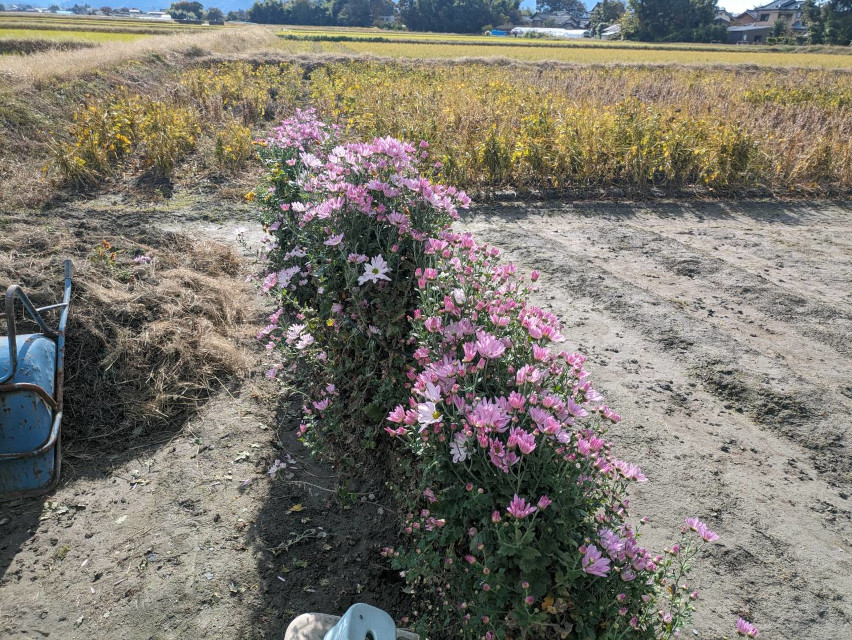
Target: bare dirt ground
{"points": [[722, 333], [184, 534]]}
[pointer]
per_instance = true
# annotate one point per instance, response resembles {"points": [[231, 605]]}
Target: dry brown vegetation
{"points": [[539, 128], [109, 55], [146, 342]]}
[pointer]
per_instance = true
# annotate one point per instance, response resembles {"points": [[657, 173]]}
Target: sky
{"points": [[734, 6]]}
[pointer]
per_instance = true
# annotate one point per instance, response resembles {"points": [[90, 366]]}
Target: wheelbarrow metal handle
{"points": [[51, 440], [14, 292]]}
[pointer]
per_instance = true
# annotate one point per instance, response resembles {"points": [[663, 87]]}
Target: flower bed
{"points": [[517, 520]]}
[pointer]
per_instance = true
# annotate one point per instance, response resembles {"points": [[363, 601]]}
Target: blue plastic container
{"points": [[31, 376], [27, 433]]}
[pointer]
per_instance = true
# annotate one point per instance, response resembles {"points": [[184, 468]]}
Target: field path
{"points": [[722, 334]]}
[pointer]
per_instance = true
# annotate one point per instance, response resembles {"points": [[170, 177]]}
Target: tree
{"points": [[107, 11], [574, 7], [781, 27], [812, 14], [237, 16], [53, 8], [2, 7], [606, 13], [838, 22], [456, 16], [186, 10], [215, 15], [303, 12], [267, 12], [356, 13], [829, 22], [671, 20], [381, 8]]}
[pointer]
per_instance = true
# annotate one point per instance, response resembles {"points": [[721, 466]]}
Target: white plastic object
{"points": [[363, 622]]}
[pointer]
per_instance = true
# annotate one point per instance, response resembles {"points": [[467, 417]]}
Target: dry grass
{"points": [[40, 68], [146, 343]]}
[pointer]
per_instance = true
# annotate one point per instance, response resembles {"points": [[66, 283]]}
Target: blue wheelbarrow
{"points": [[31, 367]]}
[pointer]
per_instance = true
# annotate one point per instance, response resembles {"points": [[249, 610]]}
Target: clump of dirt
{"points": [[156, 321], [762, 403]]}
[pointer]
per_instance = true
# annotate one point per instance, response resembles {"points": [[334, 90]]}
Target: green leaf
{"points": [[374, 412]]}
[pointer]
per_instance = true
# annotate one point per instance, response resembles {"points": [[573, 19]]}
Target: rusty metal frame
{"points": [[55, 402]]}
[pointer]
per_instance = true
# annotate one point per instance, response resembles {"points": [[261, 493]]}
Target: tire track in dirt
{"points": [[785, 555], [740, 286], [740, 376]]}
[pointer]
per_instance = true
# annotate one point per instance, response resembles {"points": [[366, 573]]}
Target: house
{"points": [[749, 34], [745, 18], [156, 15], [761, 21], [556, 20], [612, 32], [769, 14], [548, 32], [723, 17]]}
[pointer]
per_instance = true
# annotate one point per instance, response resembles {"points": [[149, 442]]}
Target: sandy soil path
{"points": [[722, 334]]}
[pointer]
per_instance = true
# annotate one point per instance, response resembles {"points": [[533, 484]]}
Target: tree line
{"points": [[828, 21]]}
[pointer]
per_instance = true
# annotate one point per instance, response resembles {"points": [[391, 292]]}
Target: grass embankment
{"points": [[28, 46]]}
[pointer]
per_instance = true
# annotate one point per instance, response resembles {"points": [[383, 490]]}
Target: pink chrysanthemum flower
{"points": [[519, 508], [745, 628], [594, 563], [488, 346]]}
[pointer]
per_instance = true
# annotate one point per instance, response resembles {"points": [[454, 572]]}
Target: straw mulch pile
{"points": [[146, 342]]}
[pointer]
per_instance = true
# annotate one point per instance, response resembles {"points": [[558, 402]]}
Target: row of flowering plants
{"points": [[522, 526], [517, 523], [347, 223]]}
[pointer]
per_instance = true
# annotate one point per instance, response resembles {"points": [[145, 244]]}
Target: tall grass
{"points": [[532, 127], [154, 132], [580, 128]]}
